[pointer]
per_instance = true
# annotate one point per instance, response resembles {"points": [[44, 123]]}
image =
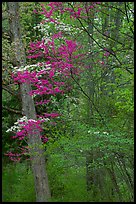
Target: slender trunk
{"points": [[90, 91], [28, 109], [93, 175], [89, 170], [127, 177], [114, 181], [90, 80]]}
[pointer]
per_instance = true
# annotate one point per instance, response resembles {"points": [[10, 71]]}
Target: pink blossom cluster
{"points": [[78, 9], [61, 63], [106, 54], [43, 102], [64, 52], [42, 86], [13, 156], [52, 115], [31, 126], [44, 139], [16, 157]]}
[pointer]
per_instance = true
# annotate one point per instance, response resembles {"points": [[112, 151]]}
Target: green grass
{"points": [[17, 184]]}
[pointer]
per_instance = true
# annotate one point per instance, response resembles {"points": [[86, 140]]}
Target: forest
{"points": [[67, 101]]}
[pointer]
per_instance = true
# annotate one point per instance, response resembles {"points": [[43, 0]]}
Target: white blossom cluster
{"points": [[67, 28], [24, 68], [44, 67], [44, 119], [17, 126], [44, 29], [96, 133], [105, 133], [33, 67], [47, 28]]}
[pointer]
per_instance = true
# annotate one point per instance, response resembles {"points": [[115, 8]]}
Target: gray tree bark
{"points": [[28, 109]]}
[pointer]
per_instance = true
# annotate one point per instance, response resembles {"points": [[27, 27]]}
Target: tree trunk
{"points": [[93, 177], [90, 80], [28, 109]]}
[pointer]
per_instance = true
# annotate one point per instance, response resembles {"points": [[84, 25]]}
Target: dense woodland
{"points": [[67, 101]]}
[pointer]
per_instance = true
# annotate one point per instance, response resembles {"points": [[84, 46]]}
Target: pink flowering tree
{"points": [[48, 78]]}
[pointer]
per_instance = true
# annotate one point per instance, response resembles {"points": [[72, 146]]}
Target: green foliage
{"points": [[28, 20], [8, 120], [67, 164]]}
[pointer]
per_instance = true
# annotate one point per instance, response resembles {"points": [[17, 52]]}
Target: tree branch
{"points": [[128, 17], [12, 110]]}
